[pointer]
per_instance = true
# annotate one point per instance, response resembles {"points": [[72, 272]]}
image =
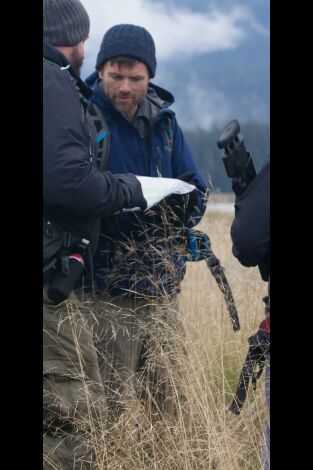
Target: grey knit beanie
{"points": [[128, 40], [65, 22]]}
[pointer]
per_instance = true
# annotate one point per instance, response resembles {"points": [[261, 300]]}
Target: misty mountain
{"points": [[213, 88]]}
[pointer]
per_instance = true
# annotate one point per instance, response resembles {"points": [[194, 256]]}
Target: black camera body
{"points": [[237, 161]]}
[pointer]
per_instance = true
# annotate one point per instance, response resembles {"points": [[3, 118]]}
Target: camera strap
{"points": [[199, 248]]}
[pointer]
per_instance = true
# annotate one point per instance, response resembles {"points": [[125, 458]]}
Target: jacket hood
{"points": [[159, 96]]}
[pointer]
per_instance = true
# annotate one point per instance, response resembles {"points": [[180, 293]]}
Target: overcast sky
{"points": [[176, 31]]}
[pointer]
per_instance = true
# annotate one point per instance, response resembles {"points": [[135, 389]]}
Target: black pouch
{"points": [[63, 263], [53, 241], [65, 279]]}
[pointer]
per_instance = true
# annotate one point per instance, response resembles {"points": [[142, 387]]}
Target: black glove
{"points": [[132, 191]]}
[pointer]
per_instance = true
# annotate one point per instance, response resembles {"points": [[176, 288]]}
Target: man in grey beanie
{"points": [[76, 196], [139, 264], [66, 26]]}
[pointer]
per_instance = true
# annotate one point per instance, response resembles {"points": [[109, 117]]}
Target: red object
{"points": [[78, 257], [265, 325]]}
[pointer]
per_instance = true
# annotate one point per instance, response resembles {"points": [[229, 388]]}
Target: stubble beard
{"points": [[76, 60], [128, 109]]}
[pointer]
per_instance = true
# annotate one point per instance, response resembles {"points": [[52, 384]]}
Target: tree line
{"points": [[203, 146]]}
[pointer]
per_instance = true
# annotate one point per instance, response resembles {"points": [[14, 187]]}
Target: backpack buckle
{"points": [[67, 240]]}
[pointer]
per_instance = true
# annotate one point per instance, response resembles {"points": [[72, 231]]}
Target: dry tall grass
{"points": [[218, 353], [200, 372]]}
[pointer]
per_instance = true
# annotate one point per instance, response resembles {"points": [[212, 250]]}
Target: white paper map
{"points": [[155, 189]]}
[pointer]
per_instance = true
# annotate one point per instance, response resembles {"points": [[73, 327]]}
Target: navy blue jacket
{"points": [[142, 253]]}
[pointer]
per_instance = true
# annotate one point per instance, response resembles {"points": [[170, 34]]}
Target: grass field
{"points": [[234, 442], [200, 374], [207, 361]]}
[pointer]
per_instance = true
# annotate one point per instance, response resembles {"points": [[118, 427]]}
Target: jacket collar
{"points": [[54, 55]]}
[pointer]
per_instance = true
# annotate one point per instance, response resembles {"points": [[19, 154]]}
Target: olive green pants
{"points": [[133, 338], [74, 401]]}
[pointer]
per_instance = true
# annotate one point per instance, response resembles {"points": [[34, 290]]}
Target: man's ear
{"points": [[100, 73]]}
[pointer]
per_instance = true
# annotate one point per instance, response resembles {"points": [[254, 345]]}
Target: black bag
{"points": [[63, 263]]}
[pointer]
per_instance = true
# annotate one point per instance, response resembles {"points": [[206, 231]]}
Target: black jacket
{"points": [[250, 230], [75, 194]]}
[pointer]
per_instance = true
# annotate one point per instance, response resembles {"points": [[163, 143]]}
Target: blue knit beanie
{"points": [[128, 40]]}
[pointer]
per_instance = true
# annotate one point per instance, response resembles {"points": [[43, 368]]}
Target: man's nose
{"points": [[125, 85]]}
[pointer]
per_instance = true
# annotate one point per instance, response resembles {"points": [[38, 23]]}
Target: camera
{"points": [[237, 161]]}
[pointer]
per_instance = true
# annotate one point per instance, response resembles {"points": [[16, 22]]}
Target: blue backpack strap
{"points": [[198, 245], [102, 136]]}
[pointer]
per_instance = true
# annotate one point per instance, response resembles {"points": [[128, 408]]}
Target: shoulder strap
{"points": [[102, 136], [167, 127]]}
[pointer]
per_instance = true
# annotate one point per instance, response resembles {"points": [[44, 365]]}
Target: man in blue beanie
{"points": [[139, 264]]}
